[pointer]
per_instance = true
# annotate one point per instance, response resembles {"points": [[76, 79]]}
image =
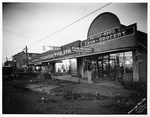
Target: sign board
{"points": [[108, 35], [51, 48], [82, 49], [56, 54], [62, 53]]}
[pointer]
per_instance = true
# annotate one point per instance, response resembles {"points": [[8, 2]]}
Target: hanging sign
{"points": [[82, 49], [51, 48]]}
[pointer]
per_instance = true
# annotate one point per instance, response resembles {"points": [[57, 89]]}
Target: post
{"points": [[26, 51]]}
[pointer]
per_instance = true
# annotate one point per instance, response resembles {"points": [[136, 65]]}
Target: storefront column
{"points": [[135, 66]]}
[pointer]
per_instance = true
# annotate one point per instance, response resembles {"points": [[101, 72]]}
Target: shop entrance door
{"points": [[103, 68]]}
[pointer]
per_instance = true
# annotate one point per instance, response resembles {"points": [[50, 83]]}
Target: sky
{"points": [[31, 24]]}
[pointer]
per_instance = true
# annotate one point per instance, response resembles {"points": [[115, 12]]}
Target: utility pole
{"points": [[26, 48], [26, 52]]}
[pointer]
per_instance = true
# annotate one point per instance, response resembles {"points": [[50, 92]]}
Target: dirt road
{"points": [[37, 96]]}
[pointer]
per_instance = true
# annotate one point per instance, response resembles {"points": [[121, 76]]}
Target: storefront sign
{"points": [[56, 54], [62, 53], [51, 48], [108, 35], [82, 49], [105, 33]]}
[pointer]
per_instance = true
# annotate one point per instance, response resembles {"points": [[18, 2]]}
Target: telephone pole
{"points": [[26, 52]]}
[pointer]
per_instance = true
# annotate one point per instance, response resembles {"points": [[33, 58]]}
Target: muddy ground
{"points": [[38, 96]]}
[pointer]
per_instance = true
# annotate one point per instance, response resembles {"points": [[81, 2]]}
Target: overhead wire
{"points": [[71, 24]]}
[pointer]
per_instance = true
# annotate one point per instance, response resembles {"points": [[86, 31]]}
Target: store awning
{"points": [[108, 51], [77, 55]]}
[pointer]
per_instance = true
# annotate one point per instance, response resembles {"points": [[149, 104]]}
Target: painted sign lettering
{"points": [[61, 53], [82, 49], [105, 36]]}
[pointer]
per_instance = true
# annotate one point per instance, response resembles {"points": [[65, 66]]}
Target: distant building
{"points": [[9, 63], [21, 59]]}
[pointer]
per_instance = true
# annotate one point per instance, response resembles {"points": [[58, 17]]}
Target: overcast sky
{"points": [[26, 23]]}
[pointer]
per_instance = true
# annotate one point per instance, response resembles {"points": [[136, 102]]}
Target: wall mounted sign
{"points": [[62, 53], [82, 49], [108, 35], [56, 54]]}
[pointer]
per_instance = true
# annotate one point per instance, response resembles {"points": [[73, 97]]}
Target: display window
{"points": [[67, 66], [128, 63], [73, 66], [110, 65]]}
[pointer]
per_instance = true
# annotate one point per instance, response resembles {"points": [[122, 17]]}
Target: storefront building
{"points": [[120, 52], [111, 51], [58, 62]]}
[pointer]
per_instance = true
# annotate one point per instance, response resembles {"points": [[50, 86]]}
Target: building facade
{"points": [[112, 51], [21, 59]]}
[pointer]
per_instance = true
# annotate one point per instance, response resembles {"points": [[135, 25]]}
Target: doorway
{"points": [[107, 66], [103, 67]]}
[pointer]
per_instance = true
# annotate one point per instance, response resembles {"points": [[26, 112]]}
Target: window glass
{"points": [[100, 57], [65, 66], [128, 64], [73, 65], [112, 56], [121, 58], [106, 56]]}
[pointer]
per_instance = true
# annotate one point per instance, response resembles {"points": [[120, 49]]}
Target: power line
{"points": [[71, 24], [67, 25]]}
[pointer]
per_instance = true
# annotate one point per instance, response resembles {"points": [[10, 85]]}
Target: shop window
{"points": [[121, 59], [106, 57], [100, 57], [66, 66], [73, 65], [112, 62], [128, 63], [126, 60], [112, 56]]}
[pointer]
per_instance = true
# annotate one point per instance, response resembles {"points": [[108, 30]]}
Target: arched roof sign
{"points": [[103, 22]]}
